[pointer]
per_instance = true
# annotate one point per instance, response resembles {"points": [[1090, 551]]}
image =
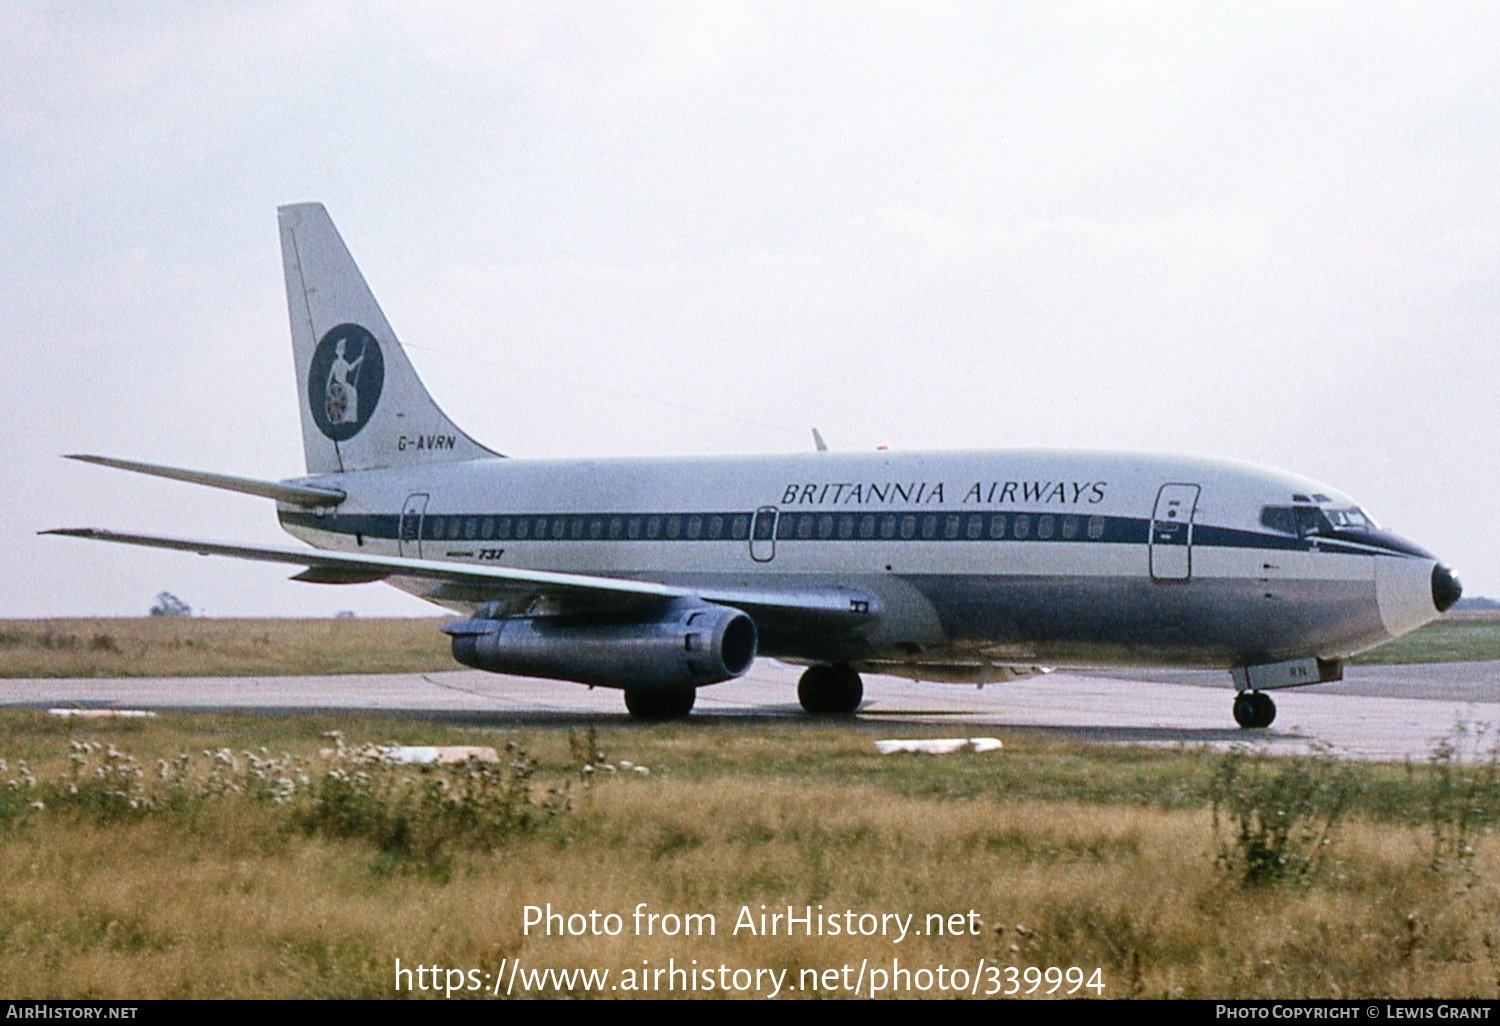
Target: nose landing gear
{"points": [[1254, 709]]}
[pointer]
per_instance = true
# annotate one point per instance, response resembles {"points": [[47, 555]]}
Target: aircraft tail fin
{"points": [[363, 406]]}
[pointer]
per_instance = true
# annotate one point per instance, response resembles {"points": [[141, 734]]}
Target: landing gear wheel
{"points": [[1254, 709], [654, 704], [1267, 712], [830, 690]]}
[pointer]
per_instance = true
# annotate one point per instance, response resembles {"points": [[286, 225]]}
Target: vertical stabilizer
{"points": [[363, 406]]}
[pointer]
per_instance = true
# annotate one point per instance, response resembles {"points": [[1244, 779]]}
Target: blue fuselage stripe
{"points": [[797, 527]]}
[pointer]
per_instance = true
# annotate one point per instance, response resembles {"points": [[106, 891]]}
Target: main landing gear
{"points": [[830, 690], [659, 704], [1253, 709]]}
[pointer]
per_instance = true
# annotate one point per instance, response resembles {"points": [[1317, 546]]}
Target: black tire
{"points": [[1265, 710], [830, 690], [1254, 710], [1244, 709], [657, 705]]}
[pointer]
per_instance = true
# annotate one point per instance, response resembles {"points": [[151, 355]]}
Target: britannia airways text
{"points": [[935, 493]]}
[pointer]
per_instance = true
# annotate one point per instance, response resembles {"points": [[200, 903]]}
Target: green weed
{"points": [[1274, 819], [1463, 793]]}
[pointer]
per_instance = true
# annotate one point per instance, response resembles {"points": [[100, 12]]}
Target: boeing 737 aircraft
{"points": [[660, 576]]}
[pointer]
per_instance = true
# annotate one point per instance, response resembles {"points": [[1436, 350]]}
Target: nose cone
{"points": [[1446, 588], [1412, 591]]}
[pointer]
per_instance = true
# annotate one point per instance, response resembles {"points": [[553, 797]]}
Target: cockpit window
{"points": [[1352, 519], [1299, 520], [1309, 520], [1278, 518]]}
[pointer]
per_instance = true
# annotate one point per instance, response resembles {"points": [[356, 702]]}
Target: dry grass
{"points": [[189, 647], [237, 898]]}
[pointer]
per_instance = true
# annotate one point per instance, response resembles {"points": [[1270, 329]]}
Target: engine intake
{"points": [[694, 644]]}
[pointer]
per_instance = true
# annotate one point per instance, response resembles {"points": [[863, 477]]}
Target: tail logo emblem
{"points": [[344, 382]]}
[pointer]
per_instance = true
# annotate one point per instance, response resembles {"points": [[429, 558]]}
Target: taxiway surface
{"points": [[1379, 712]]}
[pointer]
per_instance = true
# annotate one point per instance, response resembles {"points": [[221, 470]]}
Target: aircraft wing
{"points": [[828, 608]]}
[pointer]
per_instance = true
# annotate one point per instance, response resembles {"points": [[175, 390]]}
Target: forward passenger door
{"points": [[1172, 532]]}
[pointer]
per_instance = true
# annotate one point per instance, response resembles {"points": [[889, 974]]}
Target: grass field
{"points": [[168, 860], [201, 647], [203, 856], [171, 646], [1457, 637]]}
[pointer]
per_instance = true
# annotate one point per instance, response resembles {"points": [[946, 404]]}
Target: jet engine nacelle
{"points": [[693, 644]]}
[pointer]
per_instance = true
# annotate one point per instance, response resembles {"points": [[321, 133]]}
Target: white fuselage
{"points": [[1065, 558]]}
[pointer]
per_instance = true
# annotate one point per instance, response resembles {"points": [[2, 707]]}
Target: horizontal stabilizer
{"points": [[299, 495]]}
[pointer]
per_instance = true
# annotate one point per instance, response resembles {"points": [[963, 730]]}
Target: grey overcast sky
{"points": [[1268, 231]]}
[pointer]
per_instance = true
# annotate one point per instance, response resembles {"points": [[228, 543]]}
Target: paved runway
{"points": [[1385, 712]]}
